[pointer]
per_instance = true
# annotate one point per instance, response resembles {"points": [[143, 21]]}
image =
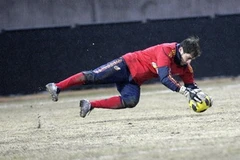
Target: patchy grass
{"points": [[161, 126]]}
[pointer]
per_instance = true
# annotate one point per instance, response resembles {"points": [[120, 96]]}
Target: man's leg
{"points": [[112, 72], [109, 103], [77, 79], [55, 88], [114, 102], [117, 72], [130, 94]]}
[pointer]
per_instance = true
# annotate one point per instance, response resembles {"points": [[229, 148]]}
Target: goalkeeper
{"points": [[131, 70]]}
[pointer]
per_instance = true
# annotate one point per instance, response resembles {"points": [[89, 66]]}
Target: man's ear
{"points": [[180, 50]]}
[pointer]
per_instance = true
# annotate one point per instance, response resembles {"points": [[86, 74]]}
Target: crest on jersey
{"points": [[172, 53]]}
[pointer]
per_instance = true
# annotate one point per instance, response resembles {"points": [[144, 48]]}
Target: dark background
{"points": [[31, 58]]}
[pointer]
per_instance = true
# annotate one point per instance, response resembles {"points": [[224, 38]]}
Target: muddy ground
{"points": [[161, 126]]}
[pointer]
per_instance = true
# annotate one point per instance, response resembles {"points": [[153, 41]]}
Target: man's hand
{"points": [[191, 94]]}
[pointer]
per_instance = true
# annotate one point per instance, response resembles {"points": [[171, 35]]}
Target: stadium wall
{"points": [[30, 58], [20, 14]]}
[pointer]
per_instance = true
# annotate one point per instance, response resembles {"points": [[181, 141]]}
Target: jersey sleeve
{"points": [[163, 62], [188, 78], [167, 79]]}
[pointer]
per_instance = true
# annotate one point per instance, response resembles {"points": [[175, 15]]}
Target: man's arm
{"points": [[167, 79]]}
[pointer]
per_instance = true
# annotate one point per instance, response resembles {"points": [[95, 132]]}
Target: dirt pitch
{"points": [[160, 127]]}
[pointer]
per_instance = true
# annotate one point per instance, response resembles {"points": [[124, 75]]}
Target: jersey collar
{"points": [[178, 57]]}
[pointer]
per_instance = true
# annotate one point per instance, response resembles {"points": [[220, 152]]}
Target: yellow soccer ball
{"points": [[200, 106]]}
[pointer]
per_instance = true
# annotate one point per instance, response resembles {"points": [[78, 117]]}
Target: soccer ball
{"points": [[200, 106]]}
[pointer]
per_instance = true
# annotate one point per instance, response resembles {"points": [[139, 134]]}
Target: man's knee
{"points": [[89, 77], [130, 102]]}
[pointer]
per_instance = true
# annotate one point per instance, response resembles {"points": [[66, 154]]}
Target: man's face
{"points": [[186, 57]]}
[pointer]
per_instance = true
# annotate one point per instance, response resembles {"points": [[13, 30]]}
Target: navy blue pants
{"points": [[116, 72]]}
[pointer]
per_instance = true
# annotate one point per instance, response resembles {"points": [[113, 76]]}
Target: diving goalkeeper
{"points": [[131, 70]]}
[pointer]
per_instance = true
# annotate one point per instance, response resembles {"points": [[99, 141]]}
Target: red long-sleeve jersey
{"points": [[145, 64]]}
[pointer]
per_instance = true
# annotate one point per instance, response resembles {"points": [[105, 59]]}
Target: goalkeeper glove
{"points": [[190, 93]]}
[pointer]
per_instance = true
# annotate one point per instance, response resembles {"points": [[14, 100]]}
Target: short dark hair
{"points": [[191, 45]]}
